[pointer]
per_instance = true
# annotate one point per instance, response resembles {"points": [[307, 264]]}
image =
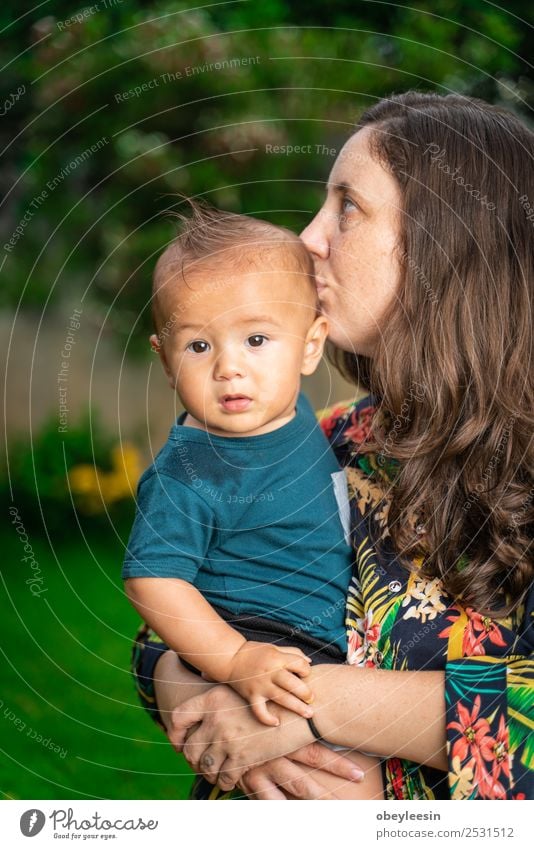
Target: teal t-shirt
{"points": [[258, 524]]}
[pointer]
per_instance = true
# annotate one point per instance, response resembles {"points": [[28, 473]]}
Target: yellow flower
{"points": [[460, 780], [362, 489], [93, 488], [428, 594], [83, 479]]}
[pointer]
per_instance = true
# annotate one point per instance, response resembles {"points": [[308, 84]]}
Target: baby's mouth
{"points": [[235, 403]]}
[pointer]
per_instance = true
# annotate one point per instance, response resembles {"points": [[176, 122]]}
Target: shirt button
{"points": [[378, 658], [394, 586]]}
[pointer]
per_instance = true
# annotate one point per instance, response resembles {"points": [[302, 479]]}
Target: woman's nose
{"points": [[315, 236], [229, 364]]}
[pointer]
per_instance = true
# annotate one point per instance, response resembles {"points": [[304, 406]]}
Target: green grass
{"points": [[65, 677]]}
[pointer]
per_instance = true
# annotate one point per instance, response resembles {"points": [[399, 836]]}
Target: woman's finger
{"points": [[257, 784], [293, 684], [266, 782], [300, 783], [195, 746], [181, 721], [210, 763], [295, 780], [336, 763], [181, 738], [230, 775], [193, 755]]}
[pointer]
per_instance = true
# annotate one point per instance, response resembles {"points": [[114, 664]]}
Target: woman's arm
{"points": [[388, 713], [173, 685], [303, 775]]}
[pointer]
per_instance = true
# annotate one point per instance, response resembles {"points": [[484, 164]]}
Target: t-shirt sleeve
{"points": [[172, 531]]}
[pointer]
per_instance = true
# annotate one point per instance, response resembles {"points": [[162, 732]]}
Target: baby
{"points": [[239, 557]]}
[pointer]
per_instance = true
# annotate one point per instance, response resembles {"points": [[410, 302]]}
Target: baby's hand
{"points": [[261, 672]]}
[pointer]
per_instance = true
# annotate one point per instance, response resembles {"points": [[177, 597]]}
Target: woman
{"points": [[424, 258]]}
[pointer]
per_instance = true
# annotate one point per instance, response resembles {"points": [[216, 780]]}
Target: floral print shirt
{"points": [[397, 619]]}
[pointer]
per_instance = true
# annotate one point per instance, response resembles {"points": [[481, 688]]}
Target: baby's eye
{"points": [[257, 340], [198, 347]]}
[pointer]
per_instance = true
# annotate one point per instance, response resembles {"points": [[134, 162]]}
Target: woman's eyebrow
{"points": [[342, 186], [339, 187]]}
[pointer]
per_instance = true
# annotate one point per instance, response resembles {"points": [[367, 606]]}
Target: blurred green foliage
{"points": [[38, 472], [200, 122]]}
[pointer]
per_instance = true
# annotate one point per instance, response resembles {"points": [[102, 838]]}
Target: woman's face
{"points": [[353, 240]]}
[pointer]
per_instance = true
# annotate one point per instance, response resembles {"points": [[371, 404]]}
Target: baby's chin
{"points": [[237, 426], [247, 423]]}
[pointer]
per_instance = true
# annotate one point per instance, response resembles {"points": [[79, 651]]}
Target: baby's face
{"points": [[239, 346]]}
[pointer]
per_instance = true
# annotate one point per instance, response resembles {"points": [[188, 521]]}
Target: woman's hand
{"points": [[221, 739], [313, 772], [299, 775]]}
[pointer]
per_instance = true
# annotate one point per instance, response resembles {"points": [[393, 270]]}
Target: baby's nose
{"points": [[229, 364]]}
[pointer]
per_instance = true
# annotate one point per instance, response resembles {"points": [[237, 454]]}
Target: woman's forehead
{"points": [[355, 155], [355, 168]]}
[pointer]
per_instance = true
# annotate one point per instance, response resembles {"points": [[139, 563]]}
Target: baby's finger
{"points": [[297, 665], [293, 684], [263, 714], [291, 650], [287, 700]]}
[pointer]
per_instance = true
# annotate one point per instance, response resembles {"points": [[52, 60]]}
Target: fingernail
{"points": [[308, 714], [356, 775]]}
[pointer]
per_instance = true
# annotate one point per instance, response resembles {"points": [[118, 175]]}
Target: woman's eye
{"points": [[257, 340], [347, 205], [198, 347]]}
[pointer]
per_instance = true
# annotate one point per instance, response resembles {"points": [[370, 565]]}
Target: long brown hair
{"points": [[454, 369]]}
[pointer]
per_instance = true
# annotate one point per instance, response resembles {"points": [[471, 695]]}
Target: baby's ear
{"points": [[157, 348], [314, 345]]}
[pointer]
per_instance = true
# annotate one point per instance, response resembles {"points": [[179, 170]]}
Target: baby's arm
{"points": [[189, 625]]}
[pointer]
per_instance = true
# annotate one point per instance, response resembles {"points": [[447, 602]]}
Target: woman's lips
{"points": [[235, 403]]}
